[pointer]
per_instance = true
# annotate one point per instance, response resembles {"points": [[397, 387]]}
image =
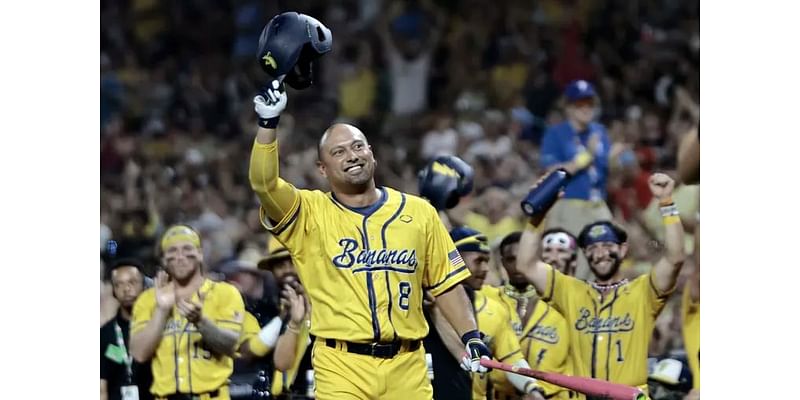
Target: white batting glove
{"points": [[269, 103], [475, 351]]}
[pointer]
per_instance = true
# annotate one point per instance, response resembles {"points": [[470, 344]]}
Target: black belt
{"points": [[381, 350], [192, 396]]}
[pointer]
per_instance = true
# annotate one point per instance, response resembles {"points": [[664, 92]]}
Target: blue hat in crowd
{"points": [[468, 239], [580, 89]]}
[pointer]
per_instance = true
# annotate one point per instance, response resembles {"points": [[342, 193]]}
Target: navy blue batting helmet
{"points": [[289, 45], [444, 181]]}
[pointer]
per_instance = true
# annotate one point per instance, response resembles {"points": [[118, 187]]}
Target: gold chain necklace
{"points": [[525, 298]]}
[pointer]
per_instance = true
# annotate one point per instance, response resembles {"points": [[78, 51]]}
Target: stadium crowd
{"points": [[421, 79]]}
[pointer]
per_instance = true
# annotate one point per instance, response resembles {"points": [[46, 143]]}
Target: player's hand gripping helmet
{"points": [[289, 45], [444, 181]]}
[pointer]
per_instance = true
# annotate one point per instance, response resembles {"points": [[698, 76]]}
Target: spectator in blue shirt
{"points": [[581, 146]]}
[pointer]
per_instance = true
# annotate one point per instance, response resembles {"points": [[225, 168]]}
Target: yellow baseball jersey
{"points": [[610, 335], [543, 339], [492, 319], [181, 364], [690, 314], [364, 269]]}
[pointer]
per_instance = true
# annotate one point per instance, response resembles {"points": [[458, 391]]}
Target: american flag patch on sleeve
{"points": [[455, 258]]}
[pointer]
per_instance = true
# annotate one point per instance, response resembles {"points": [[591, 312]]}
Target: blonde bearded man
{"points": [[187, 324]]}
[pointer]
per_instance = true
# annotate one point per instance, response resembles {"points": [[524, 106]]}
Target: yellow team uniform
{"points": [[493, 320], [690, 314], [363, 271], [180, 363], [544, 341], [610, 335]]}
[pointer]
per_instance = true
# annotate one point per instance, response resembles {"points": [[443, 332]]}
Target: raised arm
{"points": [[689, 158], [666, 270], [277, 196], [529, 258]]}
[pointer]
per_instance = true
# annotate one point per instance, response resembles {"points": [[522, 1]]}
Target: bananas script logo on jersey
{"points": [[593, 324], [177, 326], [398, 260], [547, 334]]}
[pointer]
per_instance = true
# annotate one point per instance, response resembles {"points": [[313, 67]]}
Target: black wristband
{"points": [[269, 123], [473, 334]]}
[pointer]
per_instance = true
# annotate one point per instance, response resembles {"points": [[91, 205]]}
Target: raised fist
{"points": [[661, 186], [269, 103]]}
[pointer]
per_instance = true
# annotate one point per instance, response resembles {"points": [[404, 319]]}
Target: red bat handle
{"points": [[588, 386]]}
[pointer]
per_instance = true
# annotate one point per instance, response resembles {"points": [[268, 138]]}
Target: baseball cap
{"points": [[601, 231], [468, 239], [579, 89], [276, 251]]}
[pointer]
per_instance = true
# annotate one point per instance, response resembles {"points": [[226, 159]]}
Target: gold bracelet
{"points": [[292, 329]]}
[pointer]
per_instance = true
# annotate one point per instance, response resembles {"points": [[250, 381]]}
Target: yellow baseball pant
{"points": [[339, 374]]}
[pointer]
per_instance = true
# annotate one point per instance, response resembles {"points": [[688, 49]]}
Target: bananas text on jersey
{"points": [[397, 260], [603, 325]]}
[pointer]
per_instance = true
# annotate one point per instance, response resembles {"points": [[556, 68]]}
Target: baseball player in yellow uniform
{"points": [[493, 319], [543, 333], [188, 324], [611, 319], [363, 253]]}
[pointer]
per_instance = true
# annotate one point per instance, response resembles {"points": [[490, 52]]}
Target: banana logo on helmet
{"points": [[270, 61]]}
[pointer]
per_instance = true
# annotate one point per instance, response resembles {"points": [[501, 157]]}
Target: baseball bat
{"points": [[587, 386]]}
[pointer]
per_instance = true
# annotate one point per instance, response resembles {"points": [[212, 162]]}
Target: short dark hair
{"points": [[583, 237], [508, 240], [126, 262]]}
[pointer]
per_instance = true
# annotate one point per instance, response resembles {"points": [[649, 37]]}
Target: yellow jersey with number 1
{"points": [[610, 334]]}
